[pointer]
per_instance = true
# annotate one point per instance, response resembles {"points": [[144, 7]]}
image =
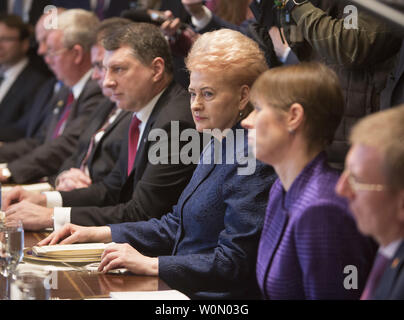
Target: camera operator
{"points": [[361, 56]]}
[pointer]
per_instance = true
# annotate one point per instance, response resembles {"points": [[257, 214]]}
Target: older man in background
{"points": [[373, 183], [139, 72], [68, 55]]}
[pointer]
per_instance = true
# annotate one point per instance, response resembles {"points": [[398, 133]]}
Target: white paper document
{"points": [[71, 250]]}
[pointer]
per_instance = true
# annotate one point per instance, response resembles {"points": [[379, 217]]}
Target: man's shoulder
{"points": [[174, 105]]}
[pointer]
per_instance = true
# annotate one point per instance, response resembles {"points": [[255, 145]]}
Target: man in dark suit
{"points": [[68, 55], [100, 144], [29, 130], [136, 189], [373, 183], [19, 78]]}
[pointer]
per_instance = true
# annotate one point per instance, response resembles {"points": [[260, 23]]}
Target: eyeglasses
{"points": [[359, 186], [51, 54]]}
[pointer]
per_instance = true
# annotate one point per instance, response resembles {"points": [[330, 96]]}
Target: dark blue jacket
{"points": [[207, 245]]}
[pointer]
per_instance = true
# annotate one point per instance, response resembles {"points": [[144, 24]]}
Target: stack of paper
{"points": [[75, 251], [37, 187]]}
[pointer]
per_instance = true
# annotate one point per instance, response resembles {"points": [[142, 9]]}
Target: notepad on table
{"points": [[79, 250], [36, 187]]}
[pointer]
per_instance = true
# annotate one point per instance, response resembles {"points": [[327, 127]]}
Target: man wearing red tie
{"points": [[139, 72], [373, 183], [68, 55]]}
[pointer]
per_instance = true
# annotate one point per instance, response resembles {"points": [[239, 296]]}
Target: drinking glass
{"points": [[11, 247], [30, 286]]}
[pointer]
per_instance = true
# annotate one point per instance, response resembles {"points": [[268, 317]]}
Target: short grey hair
{"points": [[79, 27]]}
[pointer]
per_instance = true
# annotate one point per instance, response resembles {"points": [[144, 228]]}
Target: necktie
{"points": [[60, 126], [134, 133], [18, 7], [379, 266], [99, 9], [96, 138]]}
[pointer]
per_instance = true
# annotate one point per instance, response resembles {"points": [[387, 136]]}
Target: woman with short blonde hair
{"points": [[309, 235]]}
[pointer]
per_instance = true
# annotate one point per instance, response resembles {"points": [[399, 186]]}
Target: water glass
{"points": [[30, 286], [11, 247]]}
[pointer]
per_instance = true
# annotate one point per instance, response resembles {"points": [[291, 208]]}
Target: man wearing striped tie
{"points": [[373, 183]]}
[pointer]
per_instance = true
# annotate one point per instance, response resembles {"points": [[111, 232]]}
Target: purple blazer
{"points": [[309, 237]]}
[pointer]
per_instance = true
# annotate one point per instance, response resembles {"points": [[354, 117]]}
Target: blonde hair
{"points": [[385, 131], [228, 52]]}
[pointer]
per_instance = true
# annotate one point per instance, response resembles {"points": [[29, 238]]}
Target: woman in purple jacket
{"points": [[310, 247]]}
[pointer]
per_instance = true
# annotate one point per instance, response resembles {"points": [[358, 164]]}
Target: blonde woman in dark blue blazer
{"points": [[206, 247]]}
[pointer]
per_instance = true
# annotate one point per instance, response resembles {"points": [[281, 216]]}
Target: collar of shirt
{"points": [[15, 70], [144, 114], [77, 89], [390, 250]]}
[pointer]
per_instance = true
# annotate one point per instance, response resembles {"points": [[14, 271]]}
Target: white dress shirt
{"points": [[390, 250], [77, 89], [62, 215]]}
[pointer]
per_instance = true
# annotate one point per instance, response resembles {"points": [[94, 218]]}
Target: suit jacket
{"points": [[46, 159], [45, 101], [391, 285], [308, 239], [16, 104], [29, 123], [207, 245], [114, 10], [393, 94], [106, 152], [151, 189]]}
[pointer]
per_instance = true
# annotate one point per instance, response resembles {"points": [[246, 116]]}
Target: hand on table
{"points": [[33, 217], [71, 233], [72, 179], [118, 256], [19, 194]]}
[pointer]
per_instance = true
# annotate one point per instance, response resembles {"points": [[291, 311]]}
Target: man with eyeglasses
{"points": [[68, 56], [373, 183], [19, 78]]}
